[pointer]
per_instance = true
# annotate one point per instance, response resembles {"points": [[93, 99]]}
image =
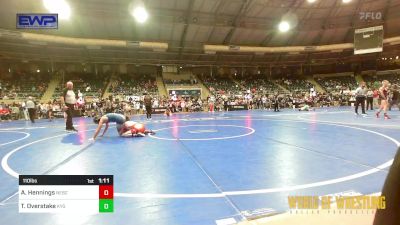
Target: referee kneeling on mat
{"points": [[68, 99], [361, 93]]}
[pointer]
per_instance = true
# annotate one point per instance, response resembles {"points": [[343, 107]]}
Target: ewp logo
{"points": [[37, 21]]}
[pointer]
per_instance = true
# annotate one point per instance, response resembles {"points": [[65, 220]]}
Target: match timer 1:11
{"points": [[104, 180]]}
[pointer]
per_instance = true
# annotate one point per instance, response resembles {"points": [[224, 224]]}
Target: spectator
{"points": [[370, 99]]}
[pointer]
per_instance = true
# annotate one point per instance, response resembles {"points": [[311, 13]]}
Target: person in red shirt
{"points": [[375, 101], [134, 129], [5, 114], [383, 96]]}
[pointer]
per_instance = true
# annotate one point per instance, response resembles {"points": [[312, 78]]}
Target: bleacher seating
{"points": [[178, 82], [376, 80], [258, 84], [295, 85], [221, 85], [90, 85], [134, 84], [20, 86], [336, 84]]}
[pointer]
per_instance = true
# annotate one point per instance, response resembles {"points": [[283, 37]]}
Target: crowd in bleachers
{"points": [[21, 85], [177, 82], [371, 81], [134, 84], [192, 81], [255, 83], [337, 84], [295, 85], [221, 85], [258, 84], [89, 84]]}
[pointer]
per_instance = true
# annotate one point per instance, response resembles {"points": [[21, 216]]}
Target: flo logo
{"points": [[370, 15]]}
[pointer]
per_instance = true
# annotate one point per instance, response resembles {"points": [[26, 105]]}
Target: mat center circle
{"points": [[202, 132]]}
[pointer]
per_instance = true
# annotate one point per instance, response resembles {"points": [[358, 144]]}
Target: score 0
{"points": [[106, 198]]}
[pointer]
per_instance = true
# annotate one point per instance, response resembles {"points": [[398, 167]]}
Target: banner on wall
{"points": [[133, 97], [238, 107], [185, 92]]}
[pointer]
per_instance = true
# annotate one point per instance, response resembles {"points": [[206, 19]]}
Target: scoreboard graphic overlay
{"points": [[87, 194]]}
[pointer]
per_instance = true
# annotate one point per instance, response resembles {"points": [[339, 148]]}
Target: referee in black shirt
{"points": [[276, 103], [148, 105], [361, 93]]}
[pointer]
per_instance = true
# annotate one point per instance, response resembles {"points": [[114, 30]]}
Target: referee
{"points": [[276, 103], [30, 105], [361, 93], [395, 97], [148, 105], [68, 99]]}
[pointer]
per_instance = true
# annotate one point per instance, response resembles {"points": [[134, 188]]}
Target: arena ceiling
{"points": [[186, 25]]}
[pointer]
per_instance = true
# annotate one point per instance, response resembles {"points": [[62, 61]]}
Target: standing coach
{"points": [[370, 99], [68, 99]]}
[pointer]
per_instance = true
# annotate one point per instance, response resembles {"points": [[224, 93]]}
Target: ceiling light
{"points": [[140, 14], [311, 1], [346, 1], [284, 26], [61, 7]]}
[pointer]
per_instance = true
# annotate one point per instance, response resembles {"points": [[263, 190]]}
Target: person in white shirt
{"points": [[127, 109], [264, 102], [155, 103], [50, 109], [25, 110], [183, 105], [137, 107], [80, 100]]}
